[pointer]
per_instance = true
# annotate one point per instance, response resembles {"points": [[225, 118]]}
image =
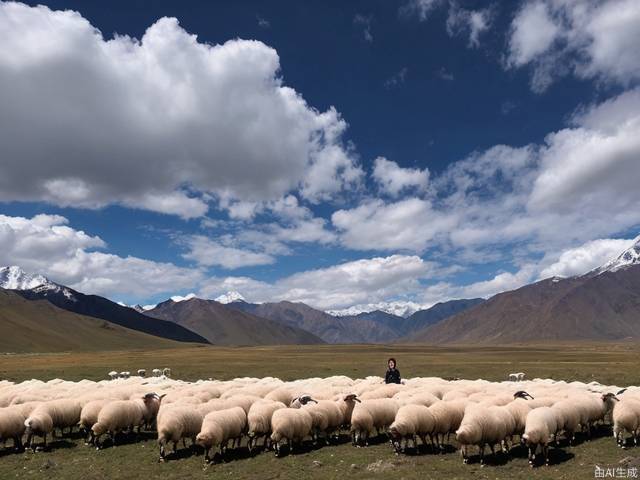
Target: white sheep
{"points": [[520, 376], [291, 425], [121, 415], [156, 372], [12, 426], [513, 377], [218, 427], [113, 374], [626, 418], [166, 372], [89, 417], [371, 414], [61, 413], [142, 372], [411, 420], [177, 423], [484, 425], [259, 420], [124, 374], [540, 429], [448, 415]]}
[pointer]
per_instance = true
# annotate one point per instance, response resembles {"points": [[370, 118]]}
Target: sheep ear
{"points": [[162, 396]]}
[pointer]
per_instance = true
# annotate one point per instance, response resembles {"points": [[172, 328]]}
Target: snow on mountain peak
{"points": [[230, 297], [399, 308], [14, 278], [631, 256], [178, 298]]}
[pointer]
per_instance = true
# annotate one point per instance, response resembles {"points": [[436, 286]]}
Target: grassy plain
{"points": [[70, 459]]}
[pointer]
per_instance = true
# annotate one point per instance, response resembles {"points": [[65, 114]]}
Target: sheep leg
{"points": [[207, 459], [276, 447], [161, 459], [481, 451], [545, 453]]}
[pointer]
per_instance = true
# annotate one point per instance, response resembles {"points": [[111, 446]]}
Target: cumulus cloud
{"points": [[393, 179], [579, 184], [586, 257], [163, 123], [339, 286], [208, 252], [593, 39], [46, 244]]}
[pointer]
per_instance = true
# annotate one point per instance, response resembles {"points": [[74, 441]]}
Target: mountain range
{"points": [[603, 304]]}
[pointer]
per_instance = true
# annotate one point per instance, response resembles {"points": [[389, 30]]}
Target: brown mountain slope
{"points": [[221, 325], [591, 307], [329, 328], [39, 326]]}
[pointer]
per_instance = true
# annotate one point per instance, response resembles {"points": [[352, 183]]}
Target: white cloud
{"points": [[364, 21], [393, 179], [586, 257], [208, 252], [421, 8], [160, 123], [410, 225], [469, 22], [591, 38], [339, 286], [46, 244]]}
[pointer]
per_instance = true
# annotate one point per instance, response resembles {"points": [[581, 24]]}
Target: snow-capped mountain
{"points": [[230, 297], [178, 298], [631, 256], [399, 308], [14, 278]]}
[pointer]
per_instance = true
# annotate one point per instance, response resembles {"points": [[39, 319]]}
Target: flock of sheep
{"points": [[272, 413]]}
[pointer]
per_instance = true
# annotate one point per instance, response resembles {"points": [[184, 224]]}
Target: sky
{"points": [[359, 154]]}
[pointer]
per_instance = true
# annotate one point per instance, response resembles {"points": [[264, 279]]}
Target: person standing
{"points": [[393, 374]]}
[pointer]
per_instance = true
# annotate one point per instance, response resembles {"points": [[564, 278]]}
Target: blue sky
{"points": [[337, 153]]}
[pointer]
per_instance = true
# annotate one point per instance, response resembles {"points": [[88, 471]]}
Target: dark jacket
{"points": [[392, 376]]}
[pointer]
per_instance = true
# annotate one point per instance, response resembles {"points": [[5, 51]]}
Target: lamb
{"points": [[175, 424], [119, 415], [62, 413], [259, 420], [290, 424], [411, 420], [541, 427], [89, 417], [626, 417], [12, 426], [369, 414], [484, 425], [218, 427]]}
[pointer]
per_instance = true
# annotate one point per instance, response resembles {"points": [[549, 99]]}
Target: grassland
{"points": [[70, 459]]}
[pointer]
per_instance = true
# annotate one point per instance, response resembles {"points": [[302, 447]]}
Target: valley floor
{"points": [[70, 459]]}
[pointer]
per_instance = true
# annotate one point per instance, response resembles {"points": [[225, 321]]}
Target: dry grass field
{"points": [[71, 459]]}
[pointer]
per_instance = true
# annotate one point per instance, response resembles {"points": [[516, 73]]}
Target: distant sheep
{"points": [[166, 372], [142, 372], [156, 372], [113, 375]]}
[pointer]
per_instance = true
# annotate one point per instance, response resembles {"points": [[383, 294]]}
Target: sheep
{"points": [[567, 417], [259, 420], [626, 417], [124, 374], [290, 424], [519, 409], [12, 426], [142, 372], [166, 372], [218, 427], [120, 415], [541, 427], [89, 417], [513, 377], [62, 413], [369, 414], [175, 424], [156, 372], [520, 376], [411, 420], [113, 375], [484, 425], [448, 415]]}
